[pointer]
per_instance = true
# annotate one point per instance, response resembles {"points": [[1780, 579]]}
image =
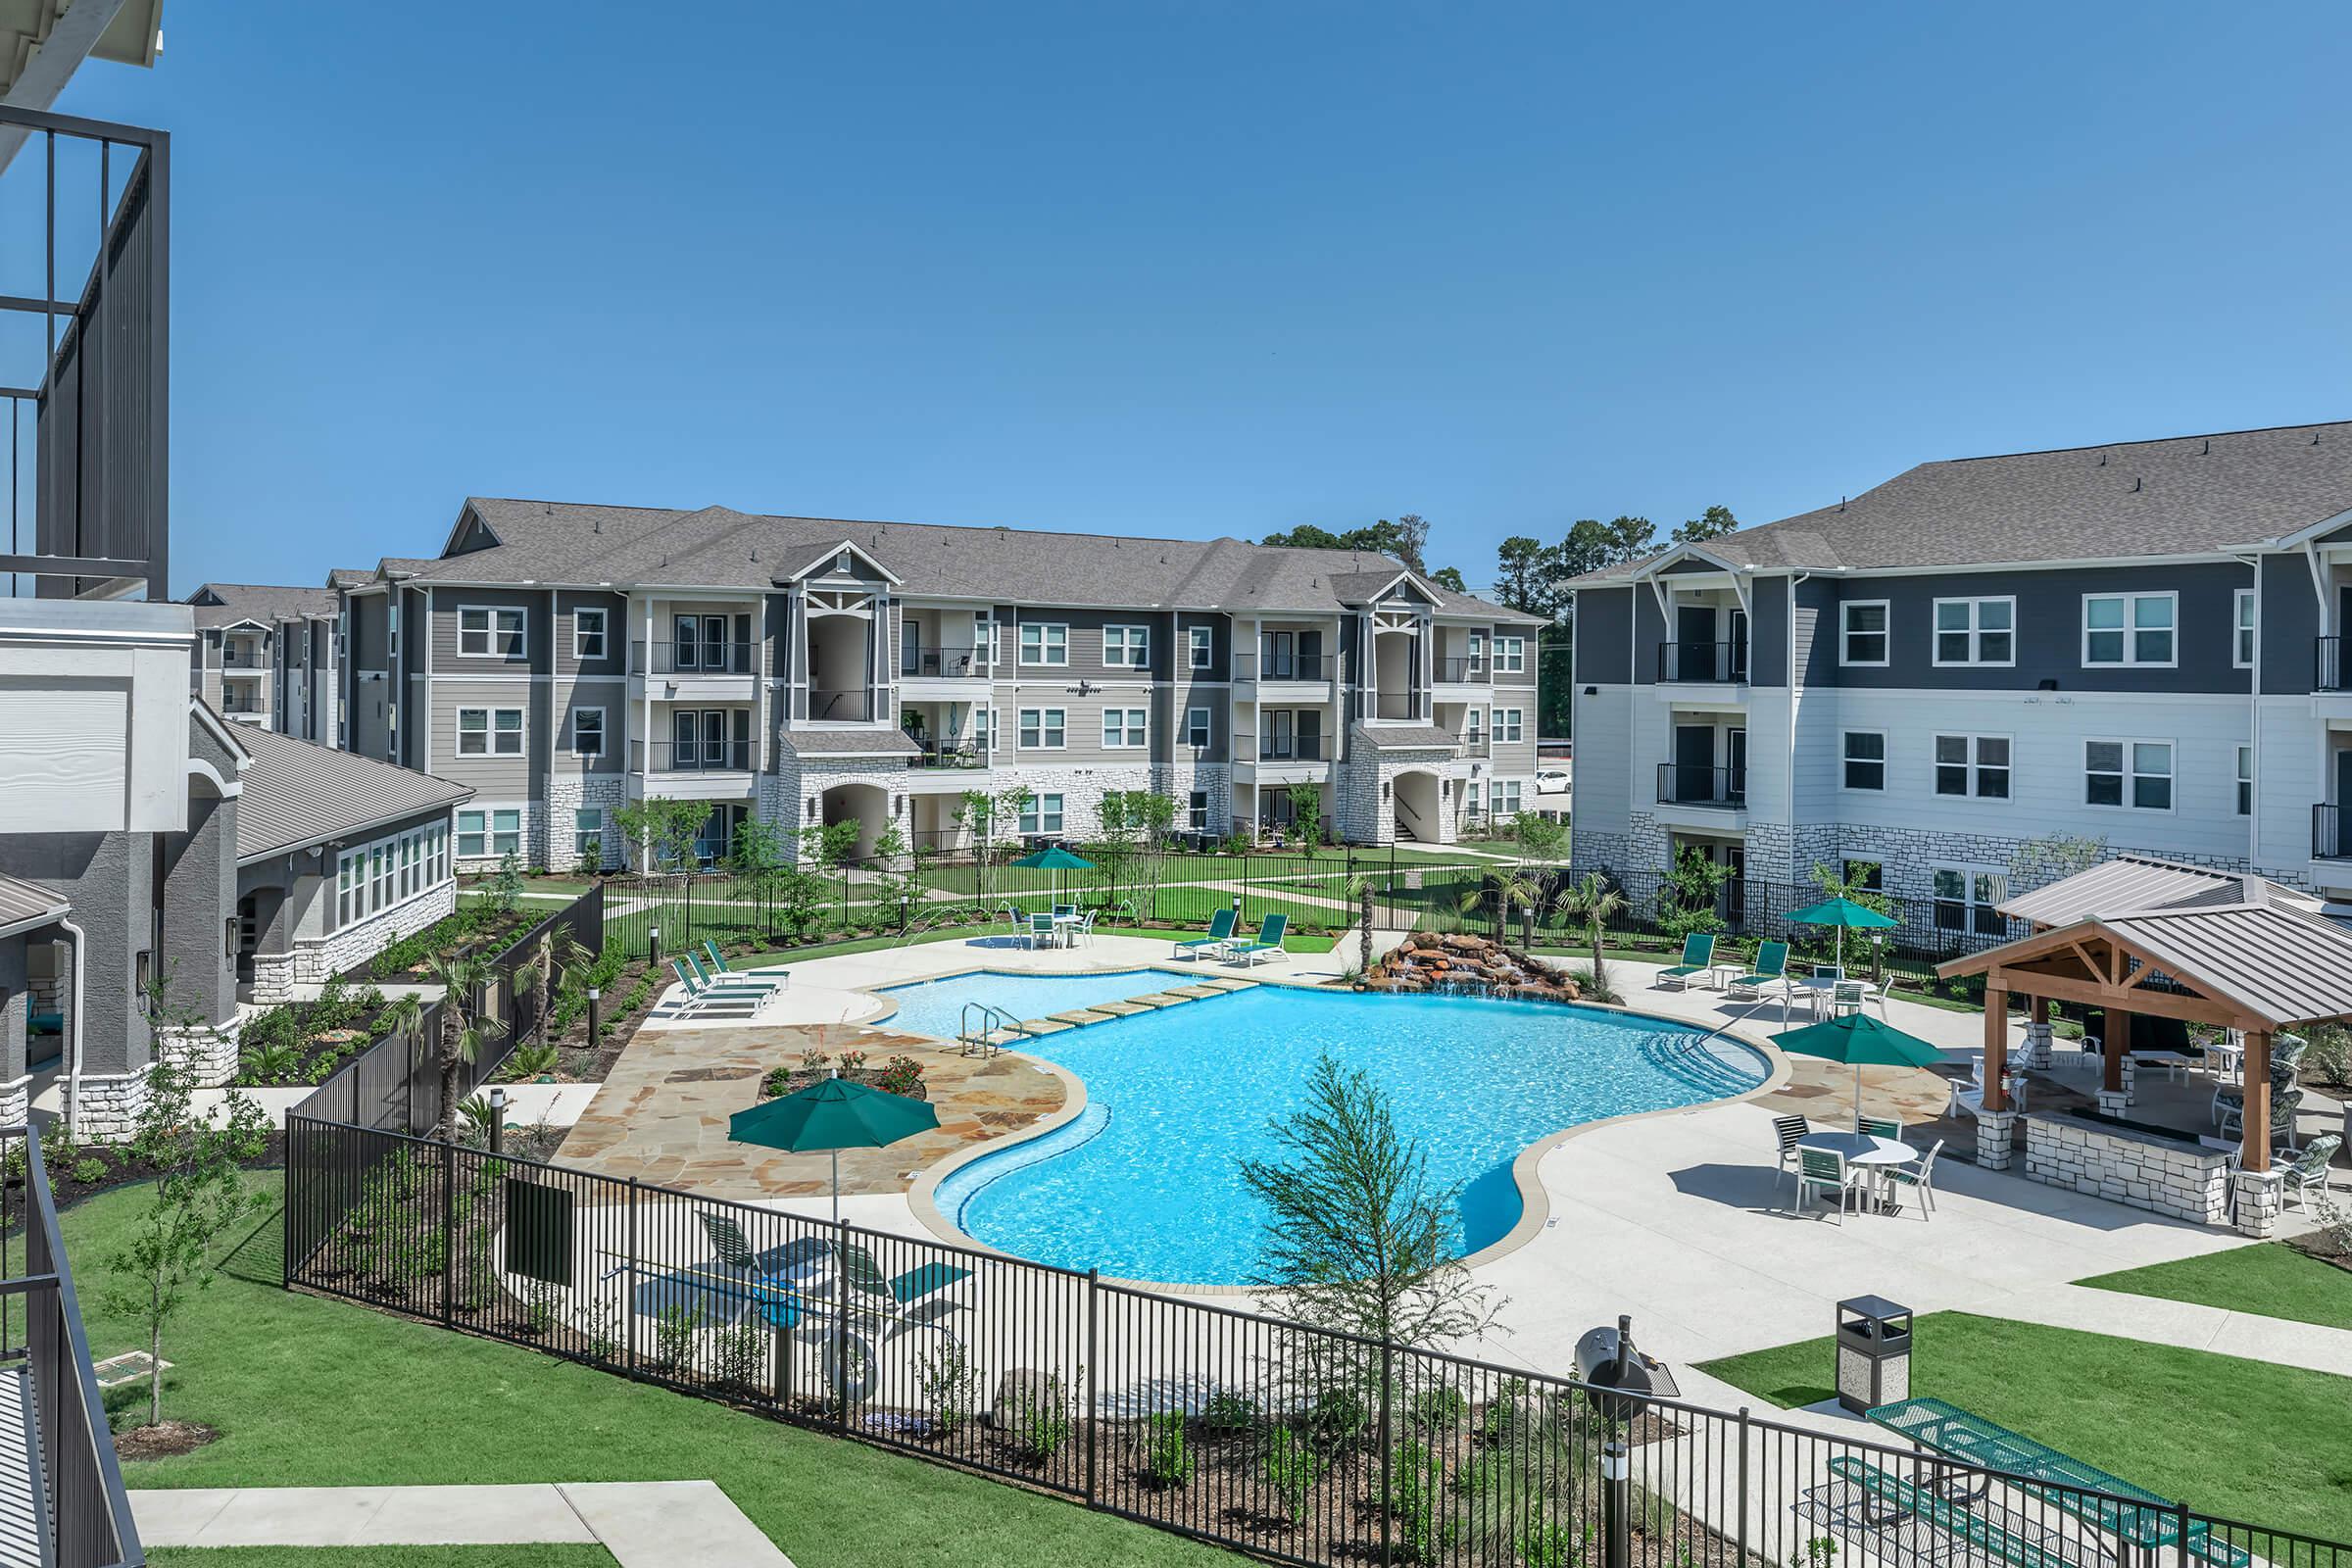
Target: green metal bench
{"points": [[1947, 1516]]}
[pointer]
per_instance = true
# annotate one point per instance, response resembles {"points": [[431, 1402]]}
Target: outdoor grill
{"points": [[1605, 1358]]}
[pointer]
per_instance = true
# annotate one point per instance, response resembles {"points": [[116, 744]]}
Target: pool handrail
{"points": [[992, 1018]]}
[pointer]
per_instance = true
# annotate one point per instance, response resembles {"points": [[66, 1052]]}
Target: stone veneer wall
{"points": [[783, 794], [568, 793], [2183, 1181], [313, 960], [1366, 792]]}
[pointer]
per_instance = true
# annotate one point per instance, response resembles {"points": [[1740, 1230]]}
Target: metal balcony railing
{"points": [[1702, 661], [86, 381], [2331, 832], [1401, 705], [1466, 672], [947, 661], [840, 708], [691, 659], [1296, 749], [947, 754], [1286, 666], [698, 756], [2328, 672], [1685, 784], [60, 1423]]}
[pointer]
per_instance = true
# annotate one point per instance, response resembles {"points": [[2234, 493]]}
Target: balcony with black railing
{"points": [[1688, 784], [690, 757], [2328, 672], [1719, 663], [1292, 749], [1401, 705], [939, 664], [1280, 665], [1465, 672], [951, 755], [857, 706], [2331, 832], [668, 658]]}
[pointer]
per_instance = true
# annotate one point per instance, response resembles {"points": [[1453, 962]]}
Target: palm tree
{"points": [[403, 1014], [1518, 889], [1596, 903], [1359, 886], [461, 978]]}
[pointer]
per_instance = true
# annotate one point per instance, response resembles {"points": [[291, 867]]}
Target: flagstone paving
{"points": [[663, 1114]]}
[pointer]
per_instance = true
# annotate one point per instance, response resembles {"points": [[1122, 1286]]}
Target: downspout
{"points": [[76, 1036], [1789, 758]]}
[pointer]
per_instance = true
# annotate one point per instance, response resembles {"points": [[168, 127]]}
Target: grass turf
{"points": [[2243, 1439], [2271, 1279], [310, 1392], [570, 1554]]}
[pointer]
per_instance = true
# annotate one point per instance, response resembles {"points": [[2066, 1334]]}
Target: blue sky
{"points": [[1201, 268]]}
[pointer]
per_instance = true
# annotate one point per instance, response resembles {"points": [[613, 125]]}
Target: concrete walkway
{"points": [[644, 1524]]}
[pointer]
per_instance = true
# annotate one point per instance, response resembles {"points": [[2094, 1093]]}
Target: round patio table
{"points": [[1867, 1150]]}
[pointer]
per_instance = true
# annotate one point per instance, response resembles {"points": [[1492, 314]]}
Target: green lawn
{"points": [[2271, 1279], [2245, 1439], [541, 1556], [309, 1391]]}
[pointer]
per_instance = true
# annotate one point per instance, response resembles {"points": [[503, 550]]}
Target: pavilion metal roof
{"points": [[2131, 882]]}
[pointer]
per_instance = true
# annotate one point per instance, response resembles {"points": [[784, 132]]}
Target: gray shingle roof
{"points": [[556, 542], [267, 603], [296, 793], [848, 743], [1402, 737], [25, 905], [349, 576], [2179, 496]]}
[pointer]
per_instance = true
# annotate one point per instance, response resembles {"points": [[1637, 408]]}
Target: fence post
{"points": [[2181, 1536], [841, 1326], [628, 1308], [1387, 1420], [449, 1229], [1740, 1515], [1094, 1387]]}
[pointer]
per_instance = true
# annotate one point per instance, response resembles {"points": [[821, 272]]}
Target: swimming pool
{"points": [[1145, 1183], [935, 1006]]}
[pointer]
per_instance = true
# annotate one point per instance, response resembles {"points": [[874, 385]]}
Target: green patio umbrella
{"points": [[1847, 915], [832, 1117], [1859, 1041], [1054, 859]]}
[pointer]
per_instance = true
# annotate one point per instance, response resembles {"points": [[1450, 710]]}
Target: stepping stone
{"points": [[1081, 1016], [1035, 1026], [1122, 1009], [1159, 999]]}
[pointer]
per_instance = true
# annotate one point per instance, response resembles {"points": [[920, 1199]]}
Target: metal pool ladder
{"points": [[992, 1020]]}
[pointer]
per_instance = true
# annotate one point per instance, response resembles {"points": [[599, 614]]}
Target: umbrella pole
{"points": [[1857, 1097], [837, 1160]]}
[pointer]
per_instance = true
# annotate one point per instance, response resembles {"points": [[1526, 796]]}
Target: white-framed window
{"points": [[1862, 633], [2242, 624], [2128, 773], [1973, 764], [1863, 755], [372, 877], [1122, 728], [2245, 781], [1196, 727], [1040, 813], [1045, 643], [1474, 728], [1127, 647], [984, 728], [1511, 654], [1470, 796], [1506, 797], [1196, 812], [1967, 899], [489, 732], [1478, 653], [1202, 643], [587, 634], [2130, 629], [1976, 631], [588, 830], [474, 835], [1509, 724], [490, 633], [995, 634], [506, 830], [587, 732], [1041, 729], [392, 626]]}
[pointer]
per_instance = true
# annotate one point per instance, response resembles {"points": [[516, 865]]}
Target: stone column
{"points": [[1997, 1123], [1996, 1139], [2257, 1202], [2036, 1053], [2116, 1082]]}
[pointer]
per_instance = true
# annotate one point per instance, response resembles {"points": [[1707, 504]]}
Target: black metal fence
{"points": [[52, 1413], [1294, 1443]]}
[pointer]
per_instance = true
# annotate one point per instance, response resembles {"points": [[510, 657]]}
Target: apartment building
{"points": [[266, 655], [560, 660], [2139, 644]]}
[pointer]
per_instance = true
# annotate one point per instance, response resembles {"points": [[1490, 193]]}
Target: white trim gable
{"points": [[824, 560]]}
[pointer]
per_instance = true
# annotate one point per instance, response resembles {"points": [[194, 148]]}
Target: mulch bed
{"points": [[165, 1440], [74, 1179]]}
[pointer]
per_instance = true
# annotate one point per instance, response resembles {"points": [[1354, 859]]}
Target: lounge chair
{"points": [[734, 1249], [721, 980], [1220, 932], [1921, 1176], [1824, 1170], [766, 972], [2307, 1173], [1789, 1129], [1699, 953], [1772, 968], [906, 1303], [702, 995], [1269, 941]]}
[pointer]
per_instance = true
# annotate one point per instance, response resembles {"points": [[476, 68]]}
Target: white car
{"points": [[1551, 781]]}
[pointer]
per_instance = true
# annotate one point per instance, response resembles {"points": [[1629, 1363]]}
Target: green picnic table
{"points": [[2132, 1513]]}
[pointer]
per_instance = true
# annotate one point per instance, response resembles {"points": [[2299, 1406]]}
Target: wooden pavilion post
{"points": [[2254, 1127], [1996, 1049], [2113, 1047]]}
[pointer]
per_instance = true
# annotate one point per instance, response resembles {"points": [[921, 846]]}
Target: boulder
{"points": [[1021, 1390]]}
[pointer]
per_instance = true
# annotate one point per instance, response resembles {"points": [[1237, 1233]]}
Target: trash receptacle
{"points": [[1874, 1353]]}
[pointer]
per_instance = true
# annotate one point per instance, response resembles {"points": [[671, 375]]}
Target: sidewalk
{"points": [[644, 1524]]}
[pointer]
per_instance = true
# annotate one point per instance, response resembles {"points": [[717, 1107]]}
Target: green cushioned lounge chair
{"points": [[774, 973], [1698, 952], [1220, 932], [1772, 968], [1269, 941]]}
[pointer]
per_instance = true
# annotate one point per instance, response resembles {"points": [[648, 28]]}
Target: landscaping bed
{"points": [[482, 926], [306, 1042], [901, 1075]]}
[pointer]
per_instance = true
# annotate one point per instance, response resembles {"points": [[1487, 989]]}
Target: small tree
{"points": [[1360, 887], [199, 1193], [2053, 856], [1119, 824], [663, 830], [505, 886], [1306, 813], [1596, 903], [460, 977], [1357, 1236], [1690, 894], [1539, 837]]}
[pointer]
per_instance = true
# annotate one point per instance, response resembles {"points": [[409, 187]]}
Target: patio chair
{"points": [[1220, 932], [1772, 968], [1084, 932], [766, 972], [1880, 1127], [734, 1249], [1852, 995], [1698, 952], [1062, 911], [906, 1303], [1789, 1129], [701, 996], [2307, 1173], [1921, 1176], [1824, 1170], [1269, 941], [2284, 1103], [2286, 1060], [1042, 932]]}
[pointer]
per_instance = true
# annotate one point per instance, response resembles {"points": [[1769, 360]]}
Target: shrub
{"points": [[1551, 1545], [1439, 1407], [901, 1075], [741, 1356], [1291, 1469], [1416, 1484], [950, 1383], [267, 1062], [532, 1058], [851, 1061], [1339, 1414], [1167, 1456], [674, 1334], [1041, 1421], [1230, 1413]]}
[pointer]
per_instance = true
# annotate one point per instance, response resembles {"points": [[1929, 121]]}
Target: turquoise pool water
{"points": [[933, 1007], [1146, 1185]]}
